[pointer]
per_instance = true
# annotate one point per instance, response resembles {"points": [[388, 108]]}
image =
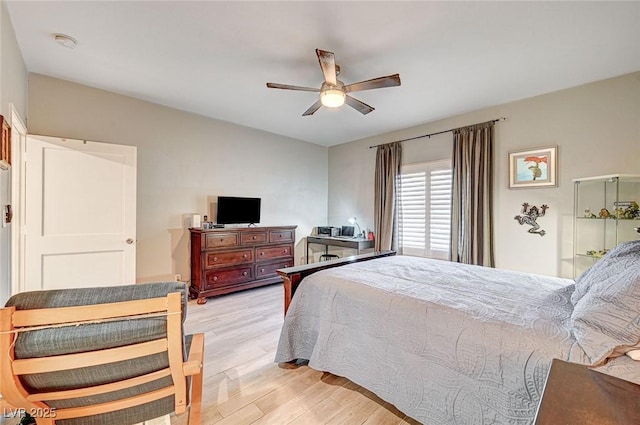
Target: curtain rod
{"points": [[433, 134]]}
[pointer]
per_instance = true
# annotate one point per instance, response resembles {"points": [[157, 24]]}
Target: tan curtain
{"points": [[472, 195], [388, 158]]}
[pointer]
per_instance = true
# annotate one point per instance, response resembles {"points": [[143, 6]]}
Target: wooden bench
{"points": [[292, 276]]}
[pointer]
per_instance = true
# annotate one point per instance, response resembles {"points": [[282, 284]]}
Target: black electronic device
{"points": [[347, 231], [238, 210], [324, 230], [328, 231]]}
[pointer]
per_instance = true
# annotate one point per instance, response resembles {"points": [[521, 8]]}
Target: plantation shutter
{"points": [[413, 224], [425, 209], [440, 210]]}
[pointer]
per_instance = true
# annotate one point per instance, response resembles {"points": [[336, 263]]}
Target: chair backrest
{"points": [[111, 355]]}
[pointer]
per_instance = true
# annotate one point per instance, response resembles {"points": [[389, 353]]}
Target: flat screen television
{"points": [[236, 210]]}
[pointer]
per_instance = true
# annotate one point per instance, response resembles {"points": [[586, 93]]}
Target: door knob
{"points": [[129, 241]]}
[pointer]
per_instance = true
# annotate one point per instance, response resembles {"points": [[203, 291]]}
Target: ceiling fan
{"points": [[333, 92]]}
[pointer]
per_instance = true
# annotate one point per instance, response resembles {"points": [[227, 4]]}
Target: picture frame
{"points": [[5, 144], [533, 168]]}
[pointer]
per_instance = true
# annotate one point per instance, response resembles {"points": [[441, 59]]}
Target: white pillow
{"points": [[606, 320]]}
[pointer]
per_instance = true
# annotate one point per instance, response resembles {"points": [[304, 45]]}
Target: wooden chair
{"points": [[98, 356]]}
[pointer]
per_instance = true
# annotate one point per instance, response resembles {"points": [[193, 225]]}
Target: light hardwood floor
{"points": [[243, 385]]}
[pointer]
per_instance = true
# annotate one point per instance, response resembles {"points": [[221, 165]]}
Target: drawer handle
{"points": [[262, 253], [254, 238], [244, 273], [215, 278], [284, 251], [244, 256], [221, 239], [280, 236], [215, 258], [286, 265], [261, 270]]}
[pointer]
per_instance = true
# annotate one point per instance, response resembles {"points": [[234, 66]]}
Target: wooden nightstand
{"points": [[577, 395]]}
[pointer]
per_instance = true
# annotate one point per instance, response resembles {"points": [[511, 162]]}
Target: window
{"points": [[425, 209]]}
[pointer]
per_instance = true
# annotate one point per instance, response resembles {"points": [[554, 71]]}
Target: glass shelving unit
{"points": [[605, 215]]}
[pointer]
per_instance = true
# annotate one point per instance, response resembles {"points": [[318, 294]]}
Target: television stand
{"points": [[233, 259]]}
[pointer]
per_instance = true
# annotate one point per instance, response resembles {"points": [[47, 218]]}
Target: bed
{"points": [[450, 344]]}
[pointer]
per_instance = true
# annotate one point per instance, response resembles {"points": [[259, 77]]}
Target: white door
{"points": [[80, 219]]}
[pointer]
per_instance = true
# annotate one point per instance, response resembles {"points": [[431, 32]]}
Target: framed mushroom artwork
{"points": [[533, 168]]}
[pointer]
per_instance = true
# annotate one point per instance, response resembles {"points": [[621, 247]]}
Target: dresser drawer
{"points": [[251, 238], [272, 252], [227, 258], [225, 277], [221, 240], [268, 270], [281, 236]]}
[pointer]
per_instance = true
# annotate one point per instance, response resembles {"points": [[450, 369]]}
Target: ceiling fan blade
{"points": [[328, 64], [376, 83], [361, 107], [289, 87], [313, 108]]}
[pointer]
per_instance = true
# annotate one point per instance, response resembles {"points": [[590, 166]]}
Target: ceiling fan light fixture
{"points": [[332, 98], [333, 92]]}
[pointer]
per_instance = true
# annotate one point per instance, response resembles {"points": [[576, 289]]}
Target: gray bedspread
{"points": [[445, 343]]}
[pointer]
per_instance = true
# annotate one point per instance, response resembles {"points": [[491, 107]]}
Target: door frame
{"points": [[18, 229], [18, 160]]}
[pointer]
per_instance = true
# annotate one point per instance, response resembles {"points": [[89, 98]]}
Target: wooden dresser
{"points": [[232, 259]]}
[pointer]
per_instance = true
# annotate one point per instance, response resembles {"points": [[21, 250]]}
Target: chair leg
{"points": [[195, 369], [196, 399]]}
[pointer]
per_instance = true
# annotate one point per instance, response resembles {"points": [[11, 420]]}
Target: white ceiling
{"points": [[213, 58]]}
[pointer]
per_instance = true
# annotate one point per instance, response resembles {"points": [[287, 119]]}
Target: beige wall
{"points": [[595, 126], [13, 73], [184, 161], [13, 91]]}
